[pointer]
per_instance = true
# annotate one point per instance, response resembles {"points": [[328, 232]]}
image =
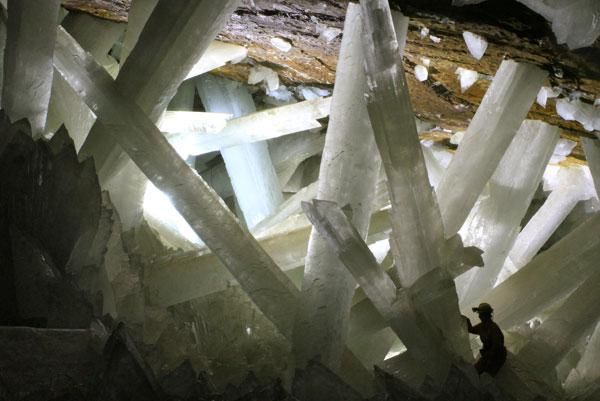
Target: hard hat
{"points": [[483, 308]]}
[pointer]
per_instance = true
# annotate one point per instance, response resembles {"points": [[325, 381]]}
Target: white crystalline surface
{"points": [[435, 39], [281, 44], [467, 78], [421, 73], [217, 55], [476, 44], [491, 131], [574, 22], [424, 32], [547, 93], [312, 92], [457, 137], [576, 110], [327, 34], [564, 147], [260, 74], [494, 222]]}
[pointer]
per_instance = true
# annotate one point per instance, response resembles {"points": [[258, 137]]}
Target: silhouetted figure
{"points": [[493, 353]]}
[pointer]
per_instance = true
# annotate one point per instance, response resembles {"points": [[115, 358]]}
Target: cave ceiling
{"points": [[512, 31]]}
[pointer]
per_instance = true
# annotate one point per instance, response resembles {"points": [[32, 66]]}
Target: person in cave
{"points": [[493, 353]]}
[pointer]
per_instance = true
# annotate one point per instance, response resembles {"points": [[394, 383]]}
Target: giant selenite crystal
{"points": [[31, 33], [570, 188], [174, 38], [587, 370], [249, 165], [348, 174], [548, 277], [197, 203], [272, 292], [491, 131], [417, 240], [495, 220], [423, 343], [565, 325]]}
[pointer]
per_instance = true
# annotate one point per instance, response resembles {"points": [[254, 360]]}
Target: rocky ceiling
{"points": [[512, 31]]}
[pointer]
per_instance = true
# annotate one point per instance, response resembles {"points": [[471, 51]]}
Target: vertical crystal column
{"points": [[348, 173], [249, 166], [31, 33], [495, 221], [591, 148], [417, 240], [491, 131]]}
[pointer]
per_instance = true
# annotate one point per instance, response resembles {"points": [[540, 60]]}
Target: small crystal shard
{"points": [[260, 74], [467, 78], [421, 73], [281, 44], [476, 44], [547, 93]]}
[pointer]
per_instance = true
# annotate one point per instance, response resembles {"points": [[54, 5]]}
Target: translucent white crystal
{"points": [[563, 327], [493, 127], [193, 121], [476, 44], [435, 39], [421, 73], [260, 74], [548, 277], [467, 78], [217, 55], [281, 44], [588, 368], [576, 110], [597, 102], [255, 127], [495, 221], [574, 22], [312, 92], [327, 33], [547, 93], [564, 147], [568, 186], [348, 175], [279, 97], [424, 32], [31, 33], [426, 61], [418, 243], [209, 216], [249, 165], [158, 206], [457, 137]]}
